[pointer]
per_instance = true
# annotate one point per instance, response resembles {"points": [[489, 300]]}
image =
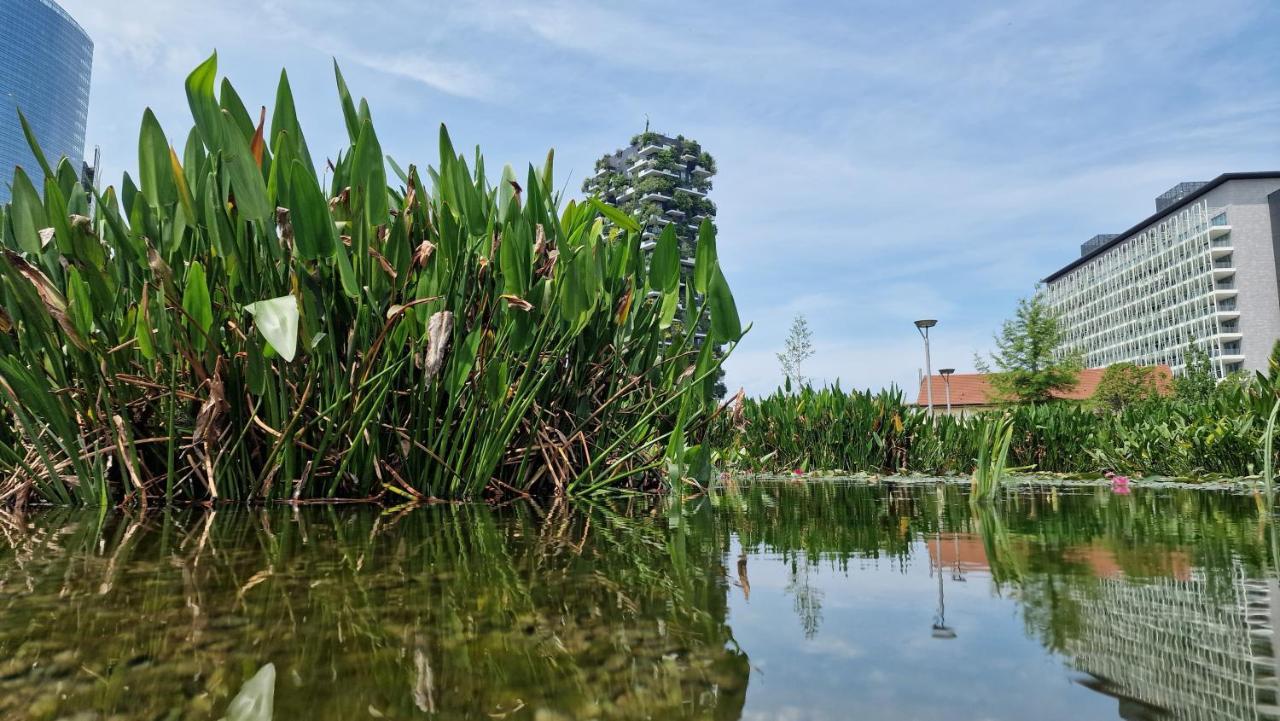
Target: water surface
{"points": [[766, 601]]}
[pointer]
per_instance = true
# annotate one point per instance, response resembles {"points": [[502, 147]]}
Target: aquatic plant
{"points": [[993, 459], [830, 429], [224, 328]]}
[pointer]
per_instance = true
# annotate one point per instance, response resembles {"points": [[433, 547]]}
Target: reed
{"points": [[224, 328]]}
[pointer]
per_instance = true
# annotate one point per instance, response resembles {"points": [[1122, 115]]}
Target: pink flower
{"points": [[797, 472], [1119, 484]]}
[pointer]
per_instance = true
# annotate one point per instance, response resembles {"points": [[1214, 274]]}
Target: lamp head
{"points": [[926, 323], [946, 371]]}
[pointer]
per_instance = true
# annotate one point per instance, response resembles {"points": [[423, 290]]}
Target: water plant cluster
{"points": [[823, 429], [233, 325]]}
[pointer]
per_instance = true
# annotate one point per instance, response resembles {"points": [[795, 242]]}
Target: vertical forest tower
{"points": [[661, 181]]}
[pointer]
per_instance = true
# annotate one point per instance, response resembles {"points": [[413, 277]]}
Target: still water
{"points": [[766, 601]]}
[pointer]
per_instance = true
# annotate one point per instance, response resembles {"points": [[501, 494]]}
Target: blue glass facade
{"points": [[46, 60]]}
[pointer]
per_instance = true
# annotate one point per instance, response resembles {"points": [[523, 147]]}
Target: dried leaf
{"points": [[284, 228], [439, 331], [515, 301], [53, 300], [256, 147], [423, 253]]}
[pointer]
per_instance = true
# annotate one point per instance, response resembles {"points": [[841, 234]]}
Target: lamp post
{"points": [[940, 628], [946, 380], [923, 326]]}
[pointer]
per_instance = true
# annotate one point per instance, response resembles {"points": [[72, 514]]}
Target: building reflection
{"points": [[1175, 643]]}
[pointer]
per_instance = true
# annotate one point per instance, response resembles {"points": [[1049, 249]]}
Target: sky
{"points": [[879, 161]]}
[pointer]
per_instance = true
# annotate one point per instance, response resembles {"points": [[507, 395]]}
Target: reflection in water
{"points": [[1156, 605], [456, 612]]}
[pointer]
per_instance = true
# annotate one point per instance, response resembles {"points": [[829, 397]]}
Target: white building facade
{"points": [[1203, 269]]}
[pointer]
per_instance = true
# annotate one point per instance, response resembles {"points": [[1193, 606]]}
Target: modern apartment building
{"points": [[1203, 269], [662, 181], [46, 60]]}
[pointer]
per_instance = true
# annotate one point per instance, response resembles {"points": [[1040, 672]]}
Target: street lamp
{"points": [[940, 628], [946, 380], [923, 326]]}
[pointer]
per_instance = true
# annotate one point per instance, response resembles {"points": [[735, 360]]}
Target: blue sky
{"points": [[878, 161]]}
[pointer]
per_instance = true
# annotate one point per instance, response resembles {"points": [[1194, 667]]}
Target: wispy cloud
{"points": [[876, 162]]}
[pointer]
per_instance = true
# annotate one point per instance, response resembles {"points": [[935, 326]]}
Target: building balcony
{"points": [[687, 262], [657, 171], [655, 198], [641, 163], [626, 193], [691, 191], [1230, 336], [1220, 294], [1223, 273], [688, 158], [1227, 315], [648, 245], [651, 149], [1217, 231], [659, 220], [700, 172], [602, 171], [675, 212]]}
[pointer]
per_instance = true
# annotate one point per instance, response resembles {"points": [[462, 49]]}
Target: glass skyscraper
{"points": [[46, 59]]}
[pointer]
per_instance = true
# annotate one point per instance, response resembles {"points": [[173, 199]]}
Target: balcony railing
{"points": [[1223, 242], [1219, 220]]}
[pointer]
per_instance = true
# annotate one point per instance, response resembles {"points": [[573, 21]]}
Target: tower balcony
{"points": [[691, 191], [651, 149], [655, 197], [700, 172], [657, 171], [675, 212]]}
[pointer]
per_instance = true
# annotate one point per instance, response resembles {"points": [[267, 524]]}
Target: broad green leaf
{"points": [[348, 108], [664, 265], [705, 258], [246, 178], [33, 143], [277, 321], [285, 119], [196, 302], [462, 363], [26, 213], [204, 104], [615, 216], [313, 230], [154, 171], [79, 303], [142, 331], [725, 324], [369, 172]]}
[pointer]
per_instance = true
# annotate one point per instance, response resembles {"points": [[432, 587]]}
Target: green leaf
{"points": [[204, 104], [285, 119], [726, 327], [369, 172], [79, 303], [348, 108], [154, 171], [196, 302], [246, 178], [615, 216], [277, 321], [26, 213], [705, 260], [35, 145], [463, 361], [142, 332], [313, 230], [664, 266]]}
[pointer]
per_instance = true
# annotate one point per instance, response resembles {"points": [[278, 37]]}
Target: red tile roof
{"points": [[974, 389]]}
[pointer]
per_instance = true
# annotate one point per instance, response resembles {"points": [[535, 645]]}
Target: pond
{"points": [[769, 600]]}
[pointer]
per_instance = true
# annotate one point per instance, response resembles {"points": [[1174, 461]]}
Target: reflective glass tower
{"points": [[45, 63]]}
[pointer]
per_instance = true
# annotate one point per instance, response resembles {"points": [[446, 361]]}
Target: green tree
{"points": [[1029, 367], [1198, 382], [798, 349], [1125, 384]]}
